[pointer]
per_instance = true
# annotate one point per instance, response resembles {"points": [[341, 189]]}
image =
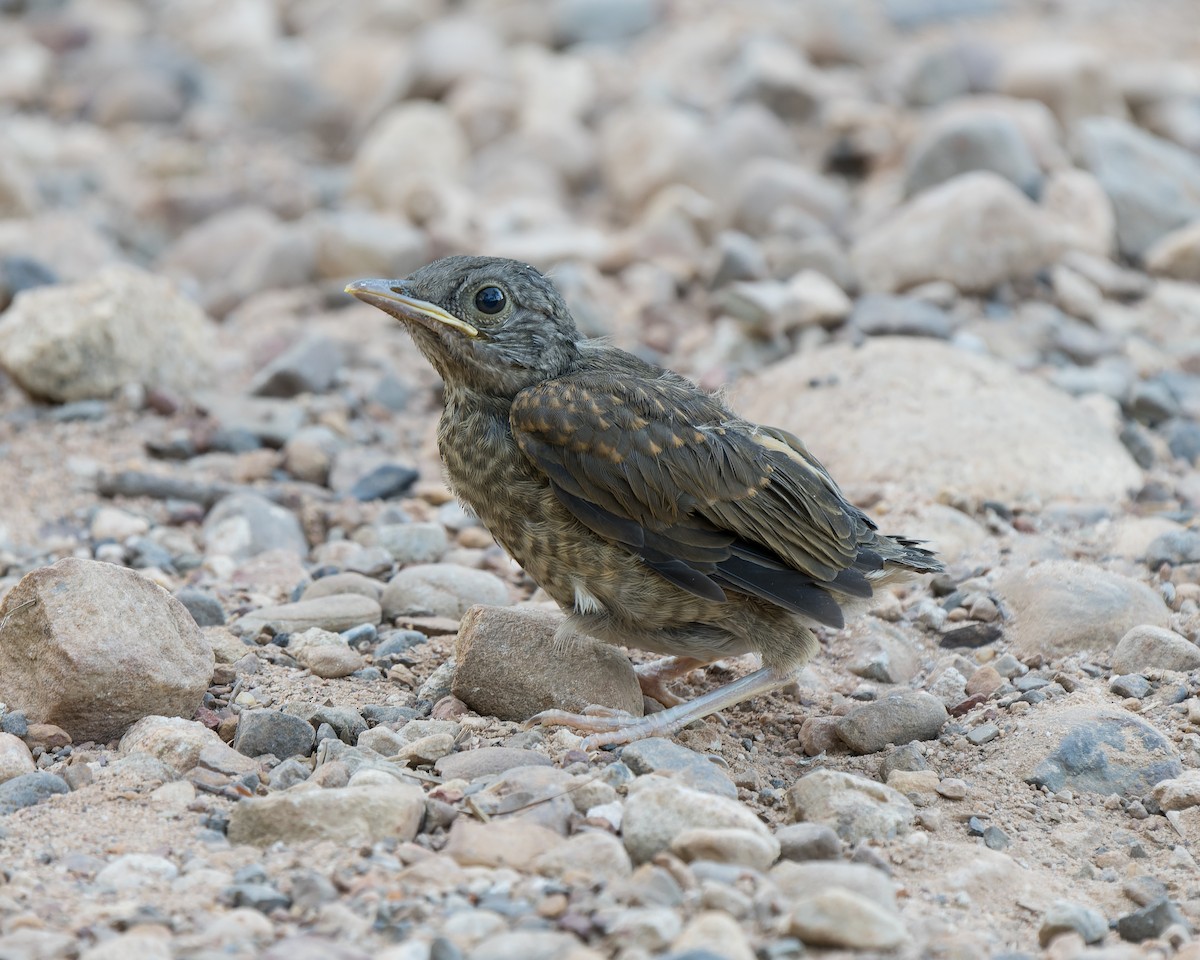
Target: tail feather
{"points": [[908, 554]]}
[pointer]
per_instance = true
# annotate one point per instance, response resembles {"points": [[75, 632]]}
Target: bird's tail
{"points": [[902, 558]]}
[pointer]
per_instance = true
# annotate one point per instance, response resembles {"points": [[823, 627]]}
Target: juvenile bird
{"points": [[652, 514]]}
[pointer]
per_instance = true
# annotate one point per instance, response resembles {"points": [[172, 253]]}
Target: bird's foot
{"points": [[608, 727], [654, 677]]}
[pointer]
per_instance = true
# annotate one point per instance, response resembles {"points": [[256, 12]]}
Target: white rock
{"points": [[842, 918], [658, 810], [976, 231], [135, 870], [15, 758], [87, 340]]}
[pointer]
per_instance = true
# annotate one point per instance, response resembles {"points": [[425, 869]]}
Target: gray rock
{"points": [[855, 807], [796, 880], [1061, 607], [1154, 648], [658, 810], [29, 788], [85, 340], [506, 666], [1174, 547], [526, 944], [962, 141], [1066, 917], [976, 231], [808, 841], [441, 590], [1154, 185], [602, 21], [668, 758], [384, 482], [340, 814], [288, 774], [134, 871], [1098, 751], [907, 758], [897, 719], [1150, 921], [243, 525], [969, 423], [845, 918], [337, 583], [30, 944], [1183, 440], [205, 609], [273, 732], [1130, 685], [271, 421], [94, 626], [309, 366], [413, 543], [339, 611], [19, 273], [485, 761], [881, 315]]}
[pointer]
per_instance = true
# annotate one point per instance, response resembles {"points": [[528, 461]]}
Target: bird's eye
{"points": [[490, 300]]}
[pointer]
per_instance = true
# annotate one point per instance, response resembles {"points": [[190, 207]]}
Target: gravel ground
{"points": [[954, 245]]}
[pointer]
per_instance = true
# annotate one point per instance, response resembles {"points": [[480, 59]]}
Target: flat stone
{"points": [[968, 426], [797, 880], [346, 582], [896, 719], [482, 761], [808, 841], [507, 667], [94, 625], [413, 543], [1099, 751], [340, 814], [857, 808], [668, 758], [134, 871], [1062, 607], [333, 613]]}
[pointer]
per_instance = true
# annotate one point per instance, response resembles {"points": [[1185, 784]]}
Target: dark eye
{"points": [[490, 300]]}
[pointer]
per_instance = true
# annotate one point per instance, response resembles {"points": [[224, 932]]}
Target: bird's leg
{"points": [[622, 728], [655, 676]]}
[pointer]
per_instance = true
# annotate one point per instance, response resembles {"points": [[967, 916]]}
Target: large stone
{"points": [[1154, 184], [857, 808], [87, 340], [1098, 751], [94, 647], [441, 590], [843, 918], [179, 743], [1177, 254], [897, 719], [1061, 607], [334, 613], [658, 811], [506, 843], [433, 148], [976, 231], [243, 525], [942, 420], [509, 667], [341, 814], [1154, 648], [959, 141]]}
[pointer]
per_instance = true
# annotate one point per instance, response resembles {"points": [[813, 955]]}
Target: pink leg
{"points": [[614, 728]]}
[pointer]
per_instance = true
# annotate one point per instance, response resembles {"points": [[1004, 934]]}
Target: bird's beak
{"points": [[389, 296]]}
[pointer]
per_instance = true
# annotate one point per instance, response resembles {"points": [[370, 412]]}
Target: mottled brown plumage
{"points": [[651, 513]]}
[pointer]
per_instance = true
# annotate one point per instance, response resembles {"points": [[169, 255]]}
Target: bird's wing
{"points": [[709, 501]]}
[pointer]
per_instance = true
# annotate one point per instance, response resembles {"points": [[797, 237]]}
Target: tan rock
{"points": [[340, 814], [500, 843], [76, 632], [508, 667]]}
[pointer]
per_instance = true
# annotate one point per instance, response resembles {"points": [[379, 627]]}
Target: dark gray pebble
{"points": [[1150, 921], [1130, 685], [384, 482], [28, 789], [206, 610], [275, 732]]}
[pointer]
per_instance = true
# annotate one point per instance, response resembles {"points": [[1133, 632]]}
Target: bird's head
{"points": [[487, 324]]}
